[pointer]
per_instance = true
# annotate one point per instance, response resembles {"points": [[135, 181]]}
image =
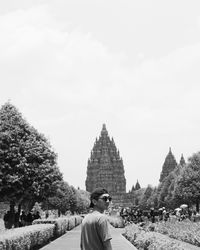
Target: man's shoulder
{"points": [[95, 216]]}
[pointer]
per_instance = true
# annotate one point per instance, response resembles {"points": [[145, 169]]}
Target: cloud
{"points": [[72, 69], [65, 81]]}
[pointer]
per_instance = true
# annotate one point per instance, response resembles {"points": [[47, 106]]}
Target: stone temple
{"points": [[105, 168]]}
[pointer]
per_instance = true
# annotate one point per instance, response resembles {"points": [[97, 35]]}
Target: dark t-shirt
{"points": [[94, 231]]}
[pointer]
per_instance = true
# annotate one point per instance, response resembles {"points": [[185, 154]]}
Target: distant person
{"points": [[152, 215], [16, 222], [6, 219], [23, 219], [95, 232], [47, 214], [29, 219]]}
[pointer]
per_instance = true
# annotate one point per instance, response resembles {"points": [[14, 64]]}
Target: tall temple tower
{"points": [[105, 166]]}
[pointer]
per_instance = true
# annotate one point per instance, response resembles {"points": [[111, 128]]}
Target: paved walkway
{"points": [[71, 241]]}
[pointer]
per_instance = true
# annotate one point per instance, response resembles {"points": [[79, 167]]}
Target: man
{"points": [[95, 233]]}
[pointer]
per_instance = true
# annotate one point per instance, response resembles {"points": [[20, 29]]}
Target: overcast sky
{"points": [[70, 66]]}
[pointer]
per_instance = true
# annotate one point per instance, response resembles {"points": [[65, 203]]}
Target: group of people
{"points": [[95, 229], [17, 219], [185, 213], [137, 215], [131, 214]]}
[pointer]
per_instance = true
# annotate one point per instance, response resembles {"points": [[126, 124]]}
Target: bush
{"points": [[62, 224], [185, 230], [144, 240], [25, 238], [40, 233], [116, 221]]}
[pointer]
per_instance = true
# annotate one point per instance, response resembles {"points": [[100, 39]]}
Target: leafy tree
{"points": [[61, 199], [83, 201], [147, 194], [152, 201], [37, 208], [138, 194], [187, 187], [164, 190], [74, 200], [28, 165], [171, 202]]}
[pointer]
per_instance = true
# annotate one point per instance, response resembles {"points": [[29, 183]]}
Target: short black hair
{"points": [[96, 194]]}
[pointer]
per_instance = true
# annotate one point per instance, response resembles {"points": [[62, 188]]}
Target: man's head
{"points": [[100, 197]]}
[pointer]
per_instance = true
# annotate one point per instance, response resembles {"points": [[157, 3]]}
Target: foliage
{"points": [[187, 188], [37, 208], [28, 165], [165, 190], [147, 194], [28, 237], [186, 230], [147, 239], [60, 198], [62, 224], [65, 197], [116, 221], [83, 201], [153, 199], [138, 194]]}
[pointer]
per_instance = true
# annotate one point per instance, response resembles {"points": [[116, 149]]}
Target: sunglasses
{"points": [[106, 198]]}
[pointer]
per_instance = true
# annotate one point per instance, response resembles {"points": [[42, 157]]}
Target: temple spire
{"points": [[182, 160], [104, 131], [137, 185]]}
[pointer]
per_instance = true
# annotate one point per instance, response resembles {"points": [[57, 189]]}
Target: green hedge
{"points": [[62, 224], [25, 238], [142, 239], [37, 235]]}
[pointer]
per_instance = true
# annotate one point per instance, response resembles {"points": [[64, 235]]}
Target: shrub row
{"points": [[185, 230], [29, 237], [40, 233], [62, 225], [142, 239]]}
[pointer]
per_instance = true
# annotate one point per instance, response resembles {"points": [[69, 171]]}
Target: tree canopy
{"points": [[28, 164], [187, 187]]}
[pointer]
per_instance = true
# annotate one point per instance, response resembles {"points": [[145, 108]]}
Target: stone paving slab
{"points": [[71, 241]]}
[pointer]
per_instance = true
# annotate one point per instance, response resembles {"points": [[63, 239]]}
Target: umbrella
{"points": [[183, 206]]}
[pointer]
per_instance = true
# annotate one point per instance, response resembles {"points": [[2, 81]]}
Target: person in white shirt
{"points": [[95, 232]]}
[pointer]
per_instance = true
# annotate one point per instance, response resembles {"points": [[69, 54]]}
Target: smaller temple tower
{"points": [[169, 165], [182, 161]]}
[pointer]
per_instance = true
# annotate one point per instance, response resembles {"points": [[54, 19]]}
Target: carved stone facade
{"points": [[105, 168]]}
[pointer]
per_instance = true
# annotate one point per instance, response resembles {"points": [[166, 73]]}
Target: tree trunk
{"points": [[59, 212], [197, 206]]}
